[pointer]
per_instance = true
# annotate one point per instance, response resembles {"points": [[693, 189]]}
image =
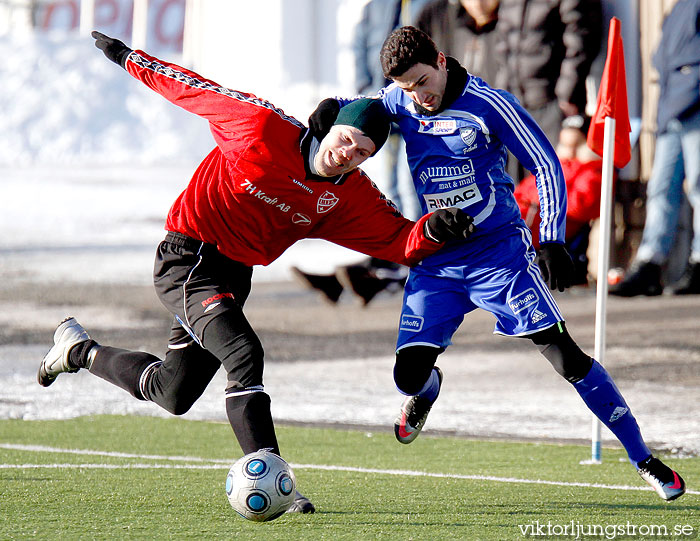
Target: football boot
{"points": [[666, 482], [414, 412], [68, 334], [301, 504]]}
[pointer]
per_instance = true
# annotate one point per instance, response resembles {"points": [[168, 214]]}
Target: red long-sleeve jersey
{"points": [[252, 196]]}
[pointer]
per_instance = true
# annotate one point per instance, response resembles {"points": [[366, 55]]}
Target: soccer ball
{"points": [[260, 486]]}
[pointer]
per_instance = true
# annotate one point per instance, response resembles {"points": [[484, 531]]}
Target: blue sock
{"points": [[431, 388], [603, 398]]}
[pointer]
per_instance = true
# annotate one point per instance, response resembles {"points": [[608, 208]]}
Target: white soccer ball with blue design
{"points": [[260, 486]]}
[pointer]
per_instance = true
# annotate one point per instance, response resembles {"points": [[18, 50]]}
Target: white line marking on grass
{"points": [[134, 466], [476, 477], [44, 449], [223, 464]]}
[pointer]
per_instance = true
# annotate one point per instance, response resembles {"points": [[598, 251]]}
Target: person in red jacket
{"points": [[268, 183]]}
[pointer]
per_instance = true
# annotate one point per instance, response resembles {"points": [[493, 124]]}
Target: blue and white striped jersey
{"points": [[457, 157]]}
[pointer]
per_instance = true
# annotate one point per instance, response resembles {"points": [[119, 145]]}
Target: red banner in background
{"points": [[166, 20]]}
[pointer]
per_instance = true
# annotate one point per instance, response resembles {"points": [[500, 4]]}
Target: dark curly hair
{"points": [[404, 48]]}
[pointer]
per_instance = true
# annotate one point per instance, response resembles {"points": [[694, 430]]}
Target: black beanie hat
{"points": [[368, 116]]}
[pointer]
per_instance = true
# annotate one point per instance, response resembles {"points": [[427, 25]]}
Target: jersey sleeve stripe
{"points": [[551, 191], [534, 271], [183, 78]]}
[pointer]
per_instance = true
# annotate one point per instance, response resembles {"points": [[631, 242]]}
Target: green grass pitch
{"points": [[113, 477]]}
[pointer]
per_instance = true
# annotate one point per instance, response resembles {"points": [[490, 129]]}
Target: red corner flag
{"points": [[612, 101]]}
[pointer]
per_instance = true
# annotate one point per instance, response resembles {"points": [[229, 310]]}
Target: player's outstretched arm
{"points": [[113, 49], [224, 108]]}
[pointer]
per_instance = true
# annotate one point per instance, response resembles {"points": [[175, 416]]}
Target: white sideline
{"points": [[223, 464], [91, 452]]}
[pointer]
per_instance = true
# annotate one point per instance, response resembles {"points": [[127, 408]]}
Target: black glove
{"points": [[322, 119], [113, 49], [556, 265], [449, 224]]}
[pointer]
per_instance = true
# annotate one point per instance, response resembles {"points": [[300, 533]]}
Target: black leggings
{"points": [[205, 292], [414, 363]]}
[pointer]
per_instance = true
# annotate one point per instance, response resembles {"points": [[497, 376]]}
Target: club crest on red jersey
{"points": [[326, 202]]}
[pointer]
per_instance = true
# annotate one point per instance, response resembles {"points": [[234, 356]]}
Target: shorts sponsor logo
{"points": [[523, 300], [326, 202], [217, 297], [538, 316], [411, 323], [211, 307], [301, 219]]}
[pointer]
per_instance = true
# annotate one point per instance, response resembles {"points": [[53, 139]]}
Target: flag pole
{"points": [[608, 136], [604, 233]]}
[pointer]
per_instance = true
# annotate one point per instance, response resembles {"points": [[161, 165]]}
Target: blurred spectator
{"points": [[582, 172], [464, 29], [379, 18], [677, 156], [367, 278], [547, 47]]}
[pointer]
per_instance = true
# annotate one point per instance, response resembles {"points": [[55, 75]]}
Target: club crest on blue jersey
{"points": [[468, 135]]}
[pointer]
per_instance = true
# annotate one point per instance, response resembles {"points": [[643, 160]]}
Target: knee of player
{"points": [[567, 358], [413, 366], [247, 373], [233, 342], [178, 404]]}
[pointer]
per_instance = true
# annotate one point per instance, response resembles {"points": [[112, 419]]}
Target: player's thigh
{"points": [[198, 285], [226, 335], [433, 308], [515, 293]]}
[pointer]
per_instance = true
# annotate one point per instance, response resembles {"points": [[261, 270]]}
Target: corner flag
{"points": [[609, 137], [612, 101]]}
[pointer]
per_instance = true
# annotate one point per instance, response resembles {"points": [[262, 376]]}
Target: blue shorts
{"points": [[496, 272]]}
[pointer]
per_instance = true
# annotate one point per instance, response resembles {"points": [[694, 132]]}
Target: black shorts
{"points": [[202, 287]]}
